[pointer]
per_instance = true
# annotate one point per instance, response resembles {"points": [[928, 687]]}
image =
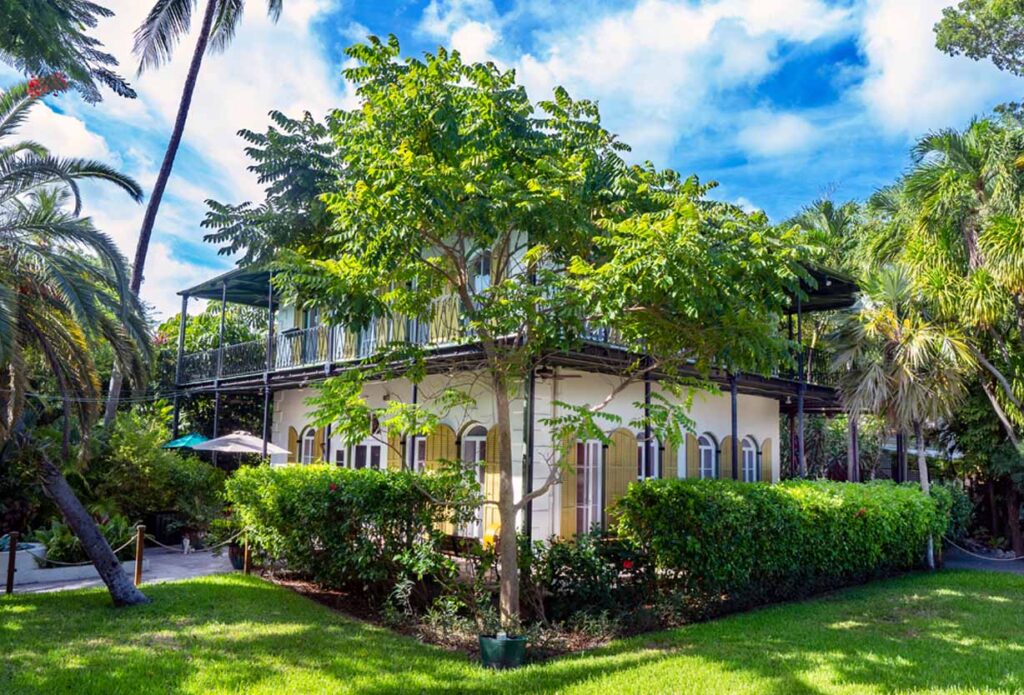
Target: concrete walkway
{"points": [[164, 565], [958, 560]]}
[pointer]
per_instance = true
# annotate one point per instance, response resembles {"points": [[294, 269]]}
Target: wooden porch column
{"points": [[649, 448], [177, 367], [528, 439], [801, 388], [853, 456], [269, 362], [220, 364], [733, 397]]}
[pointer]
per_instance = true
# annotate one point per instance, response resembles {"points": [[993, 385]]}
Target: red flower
{"points": [[332, 487], [627, 564], [860, 512]]}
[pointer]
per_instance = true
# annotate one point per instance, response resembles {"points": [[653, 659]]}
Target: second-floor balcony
{"points": [[297, 349]]}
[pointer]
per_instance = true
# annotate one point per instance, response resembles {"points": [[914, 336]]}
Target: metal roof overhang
{"points": [[243, 285], [826, 289]]}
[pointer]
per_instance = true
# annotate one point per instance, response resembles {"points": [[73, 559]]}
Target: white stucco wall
{"points": [[757, 417]]}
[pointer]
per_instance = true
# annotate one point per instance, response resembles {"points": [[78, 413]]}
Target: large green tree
{"points": [[63, 292], [449, 176], [984, 30], [155, 40]]}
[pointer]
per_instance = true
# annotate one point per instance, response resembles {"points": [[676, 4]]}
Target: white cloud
{"points": [[775, 134], [64, 135], [657, 67], [910, 86], [474, 41], [442, 18]]}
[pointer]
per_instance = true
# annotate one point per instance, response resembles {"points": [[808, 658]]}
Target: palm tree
{"points": [[42, 38], [167, 22], [63, 291], [894, 360]]}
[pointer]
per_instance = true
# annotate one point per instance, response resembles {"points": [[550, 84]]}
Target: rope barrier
{"points": [[985, 557], [204, 550], [43, 558]]}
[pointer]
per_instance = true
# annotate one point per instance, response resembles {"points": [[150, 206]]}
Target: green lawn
{"points": [[949, 632]]}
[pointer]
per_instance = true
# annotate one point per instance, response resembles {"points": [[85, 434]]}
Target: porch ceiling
{"points": [[244, 286]]}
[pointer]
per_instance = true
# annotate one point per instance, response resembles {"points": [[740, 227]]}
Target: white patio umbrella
{"points": [[239, 443]]}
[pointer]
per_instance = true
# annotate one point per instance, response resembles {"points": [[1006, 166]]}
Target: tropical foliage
{"points": [[45, 38]]}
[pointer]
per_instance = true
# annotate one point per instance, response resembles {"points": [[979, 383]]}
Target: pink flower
{"points": [[332, 487]]}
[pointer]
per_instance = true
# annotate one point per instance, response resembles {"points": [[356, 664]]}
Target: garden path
{"points": [[164, 565]]}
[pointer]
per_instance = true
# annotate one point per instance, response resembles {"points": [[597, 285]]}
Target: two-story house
{"points": [[736, 433]]}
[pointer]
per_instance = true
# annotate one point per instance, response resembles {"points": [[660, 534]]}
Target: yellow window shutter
{"points": [[440, 447], [692, 457], [766, 460], [619, 468], [293, 445], [567, 525], [669, 462], [318, 444], [725, 458], [395, 452], [492, 483]]}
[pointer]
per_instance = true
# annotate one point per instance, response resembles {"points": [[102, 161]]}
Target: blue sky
{"points": [[780, 101]]}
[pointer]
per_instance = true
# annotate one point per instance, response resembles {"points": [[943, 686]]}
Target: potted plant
{"points": [[502, 651], [502, 646]]}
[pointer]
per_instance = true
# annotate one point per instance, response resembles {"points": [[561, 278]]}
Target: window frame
{"points": [[707, 445]]}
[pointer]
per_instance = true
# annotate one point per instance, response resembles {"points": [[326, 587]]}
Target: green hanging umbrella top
{"points": [[186, 442]]}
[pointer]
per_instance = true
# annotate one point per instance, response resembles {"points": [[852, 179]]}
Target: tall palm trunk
{"points": [[142, 247], [922, 470], [121, 589]]}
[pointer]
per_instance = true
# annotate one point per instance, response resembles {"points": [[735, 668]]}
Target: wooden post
{"points": [[13, 539], [140, 533], [246, 556]]}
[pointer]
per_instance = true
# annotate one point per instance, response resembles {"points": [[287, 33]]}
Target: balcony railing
{"points": [[307, 347], [304, 347]]}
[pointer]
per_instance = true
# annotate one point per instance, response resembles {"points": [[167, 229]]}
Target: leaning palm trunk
{"points": [[146, 232], [922, 469], [121, 589]]}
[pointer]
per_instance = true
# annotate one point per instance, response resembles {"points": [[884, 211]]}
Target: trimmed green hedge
{"points": [[744, 543], [362, 529]]}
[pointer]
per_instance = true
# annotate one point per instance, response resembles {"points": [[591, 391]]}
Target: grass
{"points": [[959, 632]]}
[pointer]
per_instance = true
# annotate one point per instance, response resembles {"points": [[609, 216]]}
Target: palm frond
{"points": [[166, 24]]}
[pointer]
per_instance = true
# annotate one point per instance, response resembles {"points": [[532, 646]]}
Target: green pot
{"points": [[503, 652]]}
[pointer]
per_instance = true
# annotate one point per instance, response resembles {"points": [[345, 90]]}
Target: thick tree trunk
{"points": [[146, 232], [1013, 529], [922, 470], [508, 546], [121, 589]]}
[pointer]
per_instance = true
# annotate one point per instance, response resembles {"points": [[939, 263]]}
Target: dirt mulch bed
{"points": [[552, 643]]}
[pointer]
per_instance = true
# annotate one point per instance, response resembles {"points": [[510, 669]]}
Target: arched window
{"points": [[647, 468], [474, 453], [707, 449], [750, 467], [308, 445]]}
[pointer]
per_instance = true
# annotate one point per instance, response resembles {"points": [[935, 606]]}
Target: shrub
{"points": [[346, 528], [961, 512], [742, 543], [590, 574], [138, 476], [63, 546]]}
